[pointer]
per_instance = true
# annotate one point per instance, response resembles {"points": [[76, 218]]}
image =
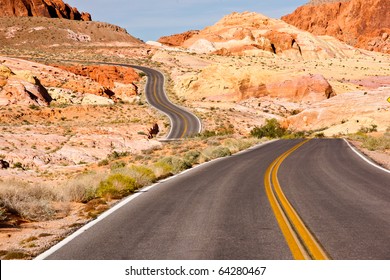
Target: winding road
{"points": [[183, 122], [287, 199]]}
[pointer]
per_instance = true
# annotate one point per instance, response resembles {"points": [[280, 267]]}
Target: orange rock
{"points": [[105, 75], [360, 23], [177, 39], [41, 8]]}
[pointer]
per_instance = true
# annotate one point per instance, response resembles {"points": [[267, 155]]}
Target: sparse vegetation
{"points": [[373, 143], [271, 129], [116, 186]]}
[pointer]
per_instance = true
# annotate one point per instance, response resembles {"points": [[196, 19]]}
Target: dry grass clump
{"points": [[211, 153], [237, 145], [82, 188], [31, 202]]}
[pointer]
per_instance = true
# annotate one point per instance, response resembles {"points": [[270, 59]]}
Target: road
{"points": [[223, 210], [183, 122]]}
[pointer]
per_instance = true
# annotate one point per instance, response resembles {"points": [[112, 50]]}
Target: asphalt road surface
{"points": [[183, 122], [220, 210]]}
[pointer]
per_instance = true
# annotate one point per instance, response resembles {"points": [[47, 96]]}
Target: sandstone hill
{"points": [[360, 23], [30, 32], [41, 8], [254, 34]]}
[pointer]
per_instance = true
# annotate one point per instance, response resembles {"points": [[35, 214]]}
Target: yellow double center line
{"points": [[169, 108], [302, 243]]}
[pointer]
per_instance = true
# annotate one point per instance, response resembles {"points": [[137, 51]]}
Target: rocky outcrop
{"points": [[41, 8], [360, 23], [177, 40], [106, 75], [21, 88], [257, 35], [118, 80], [226, 83], [345, 113]]}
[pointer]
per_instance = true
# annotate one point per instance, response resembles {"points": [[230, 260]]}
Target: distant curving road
{"points": [[234, 208], [183, 123]]}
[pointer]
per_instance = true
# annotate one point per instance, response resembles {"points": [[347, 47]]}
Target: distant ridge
{"points": [[41, 8]]}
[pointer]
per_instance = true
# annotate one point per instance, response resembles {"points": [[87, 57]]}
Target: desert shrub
{"points": [[162, 169], [207, 134], [192, 157], [116, 186], [372, 128], [141, 174], [376, 143], [104, 162], [236, 145], [271, 129], [175, 164], [117, 155], [215, 152], [117, 164], [31, 202], [82, 188]]}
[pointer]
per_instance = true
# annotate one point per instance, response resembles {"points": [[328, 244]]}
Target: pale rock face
{"points": [[255, 34], [202, 46], [232, 84], [345, 113], [91, 99]]}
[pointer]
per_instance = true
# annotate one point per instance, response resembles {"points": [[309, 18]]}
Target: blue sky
{"points": [[151, 19]]}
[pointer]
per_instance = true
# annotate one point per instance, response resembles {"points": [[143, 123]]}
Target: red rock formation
{"points": [[105, 75], [360, 23], [41, 8], [177, 40]]}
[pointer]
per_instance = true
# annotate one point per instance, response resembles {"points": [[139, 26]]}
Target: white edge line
{"points": [[365, 159], [89, 225]]}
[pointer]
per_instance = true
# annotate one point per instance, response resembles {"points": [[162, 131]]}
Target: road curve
{"points": [[221, 210], [183, 123]]}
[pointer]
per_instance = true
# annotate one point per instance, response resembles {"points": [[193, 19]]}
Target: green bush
{"points": [[271, 129], [116, 186]]}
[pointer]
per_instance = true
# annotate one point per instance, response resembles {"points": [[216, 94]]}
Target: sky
{"points": [[151, 19]]}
